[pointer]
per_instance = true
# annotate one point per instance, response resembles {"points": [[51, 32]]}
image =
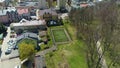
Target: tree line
{"points": [[99, 23]]}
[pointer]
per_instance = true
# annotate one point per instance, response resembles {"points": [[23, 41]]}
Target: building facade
{"points": [[31, 26], [47, 14]]}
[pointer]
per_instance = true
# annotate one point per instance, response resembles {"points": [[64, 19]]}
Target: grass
{"points": [[71, 55], [1, 42], [59, 35]]}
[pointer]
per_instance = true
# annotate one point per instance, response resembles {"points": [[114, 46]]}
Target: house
{"points": [[3, 17], [8, 15], [30, 26], [23, 12], [47, 14]]}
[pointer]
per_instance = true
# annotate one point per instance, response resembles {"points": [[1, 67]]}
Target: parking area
{"points": [[7, 47], [9, 56]]}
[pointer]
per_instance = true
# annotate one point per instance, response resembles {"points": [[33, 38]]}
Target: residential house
{"points": [[3, 17], [47, 14], [23, 12], [8, 15], [31, 26]]}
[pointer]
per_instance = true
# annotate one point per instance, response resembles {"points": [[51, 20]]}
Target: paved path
{"points": [[99, 49], [54, 47]]}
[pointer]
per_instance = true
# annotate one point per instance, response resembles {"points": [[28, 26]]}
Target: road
{"points": [[103, 61]]}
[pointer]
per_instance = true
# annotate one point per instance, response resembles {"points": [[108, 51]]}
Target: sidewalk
{"points": [[103, 61]]}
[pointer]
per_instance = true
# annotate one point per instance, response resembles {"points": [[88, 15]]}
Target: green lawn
{"points": [[59, 35], [70, 55]]}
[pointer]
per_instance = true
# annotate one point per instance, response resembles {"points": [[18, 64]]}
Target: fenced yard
{"points": [[60, 35]]}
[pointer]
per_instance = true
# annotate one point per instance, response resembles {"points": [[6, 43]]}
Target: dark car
{"points": [[63, 10]]}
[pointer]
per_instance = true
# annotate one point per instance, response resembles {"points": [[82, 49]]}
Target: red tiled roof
{"points": [[22, 11], [83, 5]]}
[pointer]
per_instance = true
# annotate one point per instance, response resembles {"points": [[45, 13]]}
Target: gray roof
{"points": [[27, 35], [9, 9], [40, 62], [29, 3]]}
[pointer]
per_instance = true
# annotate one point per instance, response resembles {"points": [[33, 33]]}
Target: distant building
{"points": [[40, 4], [4, 3], [31, 26], [47, 14]]}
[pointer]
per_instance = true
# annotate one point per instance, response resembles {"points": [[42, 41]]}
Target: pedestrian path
{"points": [[99, 50]]}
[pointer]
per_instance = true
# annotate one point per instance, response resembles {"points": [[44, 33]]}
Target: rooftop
{"points": [[28, 3], [22, 10], [27, 35], [51, 11], [24, 22], [9, 9]]}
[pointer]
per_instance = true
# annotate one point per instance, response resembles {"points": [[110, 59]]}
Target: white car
{"points": [[8, 51], [18, 66]]}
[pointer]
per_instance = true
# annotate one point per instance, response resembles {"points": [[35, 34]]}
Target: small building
{"points": [[47, 14], [32, 26], [3, 17]]}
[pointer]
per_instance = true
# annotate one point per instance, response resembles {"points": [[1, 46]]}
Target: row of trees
{"points": [[100, 22]]}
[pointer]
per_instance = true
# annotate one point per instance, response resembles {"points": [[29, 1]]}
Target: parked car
{"points": [[11, 44], [15, 47], [8, 51]]}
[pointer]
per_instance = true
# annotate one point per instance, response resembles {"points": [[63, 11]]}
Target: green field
{"points": [[71, 55], [59, 35]]}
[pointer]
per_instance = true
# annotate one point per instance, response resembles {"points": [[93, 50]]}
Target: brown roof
{"points": [[51, 11], [42, 33]]}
